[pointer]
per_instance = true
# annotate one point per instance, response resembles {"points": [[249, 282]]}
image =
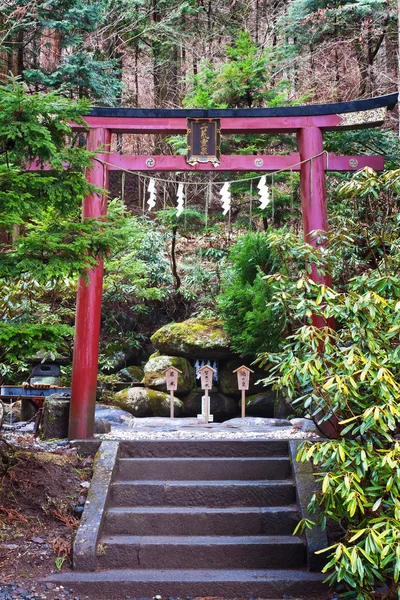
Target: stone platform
{"points": [[158, 428]]}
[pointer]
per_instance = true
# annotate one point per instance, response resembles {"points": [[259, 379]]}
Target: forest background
{"points": [[57, 58], [192, 53]]}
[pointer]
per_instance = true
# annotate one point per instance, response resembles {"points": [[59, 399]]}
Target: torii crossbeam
{"points": [[308, 122]]}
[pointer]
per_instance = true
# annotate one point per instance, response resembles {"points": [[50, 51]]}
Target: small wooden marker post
{"points": [[171, 380], [243, 375], [206, 375]]}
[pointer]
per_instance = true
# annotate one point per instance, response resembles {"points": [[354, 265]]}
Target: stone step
{"points": [[203, 468], [178, 520], [202, 493], [204, 448], [200, 552], [139, 583]]}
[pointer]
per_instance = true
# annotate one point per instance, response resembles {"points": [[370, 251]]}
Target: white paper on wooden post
{"points": [[202, 416]]}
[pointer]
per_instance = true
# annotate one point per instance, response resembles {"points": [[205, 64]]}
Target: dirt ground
{"points": [[43, 488]]}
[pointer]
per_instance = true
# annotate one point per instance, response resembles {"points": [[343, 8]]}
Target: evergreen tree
{"points": [[44, 244], [58, 48]]}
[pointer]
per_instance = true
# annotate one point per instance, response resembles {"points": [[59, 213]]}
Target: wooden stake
{"points": [[243, 404], [206, 407], [171, 403]]}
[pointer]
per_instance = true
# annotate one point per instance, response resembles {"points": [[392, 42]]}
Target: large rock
{"points": [[144, 402], [55, 417], [132, 374], [307, 425], [261, 405], [282, 407], [101, 426], [154, 373], [222, 407], [194, 338], [113, 415], [228, 379], [257, 422]]}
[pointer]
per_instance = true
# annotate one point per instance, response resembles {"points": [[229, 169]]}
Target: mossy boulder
{"points": [[228, 379], [144, 402], [154, 373], [55, 417], [261, 404], [194, 338], [222, 407], [135, 401], [135, 372]]}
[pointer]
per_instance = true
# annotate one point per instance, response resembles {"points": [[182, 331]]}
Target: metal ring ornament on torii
{"points": [[307, 122]]}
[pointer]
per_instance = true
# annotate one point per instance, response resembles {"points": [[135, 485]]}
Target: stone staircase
{"points": [[197, 518]]}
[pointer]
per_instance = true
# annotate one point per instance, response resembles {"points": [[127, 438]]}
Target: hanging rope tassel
{"points": [[151, 202], [263, 191], [184, 214], [180, 200], [225, 194]]}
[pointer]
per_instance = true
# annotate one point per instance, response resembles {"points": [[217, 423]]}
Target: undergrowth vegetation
{"points": [[349, 375]]}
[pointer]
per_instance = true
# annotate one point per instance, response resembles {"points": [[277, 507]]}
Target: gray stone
{"points": [[113, 415], [154, 373], [101, 426], [222, 407], [27, 410], [144, 402], [163, 423], [132, 374], [282, 407], [194, 338], [305, 425], [240, 422], [88, 534], [306, 486], [55, 417], [261, 404]]}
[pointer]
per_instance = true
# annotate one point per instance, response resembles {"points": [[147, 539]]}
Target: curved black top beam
{"points": [[311, 110]]}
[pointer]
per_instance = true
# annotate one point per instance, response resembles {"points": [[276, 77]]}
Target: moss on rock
{"points": [[194, 338], [160, 404], [135, 372], [144, 402], [135, 401], [154, 373]]}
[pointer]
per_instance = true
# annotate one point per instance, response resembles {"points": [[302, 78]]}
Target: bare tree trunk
{"points": [[50, 50]]}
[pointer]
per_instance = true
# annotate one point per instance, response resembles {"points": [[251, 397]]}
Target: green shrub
{"points": [[353, 373], [251, 323]]}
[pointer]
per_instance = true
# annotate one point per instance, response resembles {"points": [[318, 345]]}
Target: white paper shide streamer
{"points": [[225, 194], [151, 202], [179, 200], [263, 192]]}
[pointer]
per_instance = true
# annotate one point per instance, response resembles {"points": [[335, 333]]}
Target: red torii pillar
{"points": [[88, 309], [313, 194]]}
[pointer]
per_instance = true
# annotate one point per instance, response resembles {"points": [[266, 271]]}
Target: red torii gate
{"points": [[308, 122]]}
